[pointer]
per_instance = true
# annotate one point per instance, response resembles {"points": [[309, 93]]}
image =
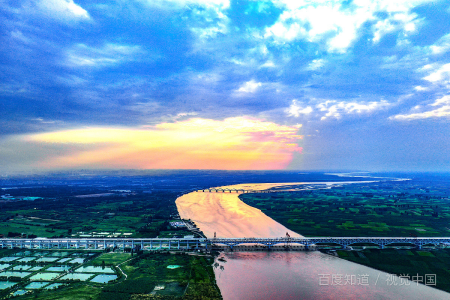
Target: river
{"points": [[285, 275]]}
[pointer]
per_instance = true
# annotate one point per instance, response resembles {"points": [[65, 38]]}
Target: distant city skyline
{"points": [[235, 85]]}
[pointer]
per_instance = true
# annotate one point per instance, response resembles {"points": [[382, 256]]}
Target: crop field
{"points": [[403, 208], [136, 214]]}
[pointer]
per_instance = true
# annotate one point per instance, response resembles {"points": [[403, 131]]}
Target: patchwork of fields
{"points": [[401, 208]]}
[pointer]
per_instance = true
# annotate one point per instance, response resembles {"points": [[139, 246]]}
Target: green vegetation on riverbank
{"points": [[82, 212], [411, 264], [365, 209]]}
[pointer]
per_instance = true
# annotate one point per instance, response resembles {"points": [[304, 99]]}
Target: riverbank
{"points": [[226, 216]]}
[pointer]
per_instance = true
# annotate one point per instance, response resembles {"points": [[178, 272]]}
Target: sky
{"points": [[236, 85]]}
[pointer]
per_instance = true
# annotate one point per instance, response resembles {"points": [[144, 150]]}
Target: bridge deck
{"points": [[201, 243]]}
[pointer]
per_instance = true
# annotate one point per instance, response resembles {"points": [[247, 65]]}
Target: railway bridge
{"points": [[230, 190], [187, 244]]}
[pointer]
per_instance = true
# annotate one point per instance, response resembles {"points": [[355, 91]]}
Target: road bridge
{"points": [[186, 244]]}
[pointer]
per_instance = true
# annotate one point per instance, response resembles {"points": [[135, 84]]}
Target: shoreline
{"points": [[225, 215]]}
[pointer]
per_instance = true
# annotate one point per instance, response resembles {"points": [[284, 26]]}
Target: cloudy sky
{"points": [[199, 84]]}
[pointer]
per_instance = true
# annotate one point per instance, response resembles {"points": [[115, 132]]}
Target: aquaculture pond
{"points": [[59, 268], [4, 266], [37, 268], [53, 286], [8, 259], [74, 276], [6, 284], [59, 254], [64, 260], [93, 269], [44, 276], [23, 253], [15, 274], [36, 285], [20, 292], [76, 261], [103, 278], [47, 259], [26, 259]]}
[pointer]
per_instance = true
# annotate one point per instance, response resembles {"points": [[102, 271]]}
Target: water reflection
{"points": [[228, 216], [308, 275]]}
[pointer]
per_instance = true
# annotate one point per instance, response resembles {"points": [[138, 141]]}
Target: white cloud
{"points": [[441, 74], [64, 10], [268, 64], [171, 4], [316, 64], [442, 110], [442, 45], [314, 22], [249, 86], [336, 109], [337, 25], [442, 101], [420, 88], [82, 55], [295, 110]]}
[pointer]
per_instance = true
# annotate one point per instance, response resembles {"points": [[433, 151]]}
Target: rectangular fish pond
{"points": [[7, 284], [103, 278], [15, 274], [75, 276], [8, 259], [76, 261], [36, 285], [47, 259], [94, 269], [26, 259], [20, 293], [59, 254], [44, 276], [53, 286], [59, 268]]}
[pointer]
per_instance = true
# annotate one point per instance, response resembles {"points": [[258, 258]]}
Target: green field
{"points": [[135, 214], [111, 259], [363, 209]]}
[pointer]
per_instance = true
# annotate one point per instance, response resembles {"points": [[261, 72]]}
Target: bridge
{"points": [[189, 244], [105, 243], [382, 242], [227, 190]]}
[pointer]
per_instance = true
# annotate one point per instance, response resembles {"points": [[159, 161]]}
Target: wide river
{"points": [[285, 275]]}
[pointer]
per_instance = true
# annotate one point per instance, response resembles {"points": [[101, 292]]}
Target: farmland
{"points": [[399, 208]]}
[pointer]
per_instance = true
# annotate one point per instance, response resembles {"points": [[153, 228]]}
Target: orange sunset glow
{"points": [[233, 144]]}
